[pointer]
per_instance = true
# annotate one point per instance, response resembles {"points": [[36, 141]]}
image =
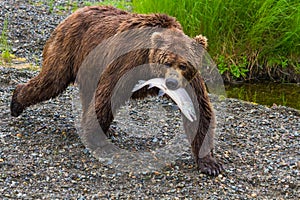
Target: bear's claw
{"points": [[210, 166]]}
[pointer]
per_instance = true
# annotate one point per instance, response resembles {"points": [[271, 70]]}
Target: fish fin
{"points": [[138, 86], [161, 93], [150, 86]]}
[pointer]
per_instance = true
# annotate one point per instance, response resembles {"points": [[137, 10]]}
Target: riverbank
{"points": [[42, 157]]}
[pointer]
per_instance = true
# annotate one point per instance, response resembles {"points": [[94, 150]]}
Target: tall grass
{"points": [[259, 35], [5, 48], [121, 4]]}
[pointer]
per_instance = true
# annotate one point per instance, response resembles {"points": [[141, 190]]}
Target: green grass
{"points": [[51, 6], [246, 36], [5, 47], [121, 4]]}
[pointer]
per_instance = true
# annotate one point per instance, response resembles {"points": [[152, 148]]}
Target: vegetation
{"points": [[51, 5], [121, 4], [74, 5], [246, 38], [5, 47]]}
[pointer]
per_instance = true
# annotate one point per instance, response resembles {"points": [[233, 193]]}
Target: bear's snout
{"points": [[172, 83], [172, 79]]}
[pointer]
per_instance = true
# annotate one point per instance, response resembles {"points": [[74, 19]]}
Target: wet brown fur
{"points": [[81, 32]]}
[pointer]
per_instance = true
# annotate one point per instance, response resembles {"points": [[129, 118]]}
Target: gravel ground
{"points": [[42, 157], [30, 23]]}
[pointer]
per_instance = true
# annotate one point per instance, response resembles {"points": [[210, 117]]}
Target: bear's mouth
{"points": [[179, 96]]}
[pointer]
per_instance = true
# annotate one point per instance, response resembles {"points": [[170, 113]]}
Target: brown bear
{"points": [[79, 34]]}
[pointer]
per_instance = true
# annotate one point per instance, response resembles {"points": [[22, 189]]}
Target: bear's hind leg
{"points": [[48, 84]]}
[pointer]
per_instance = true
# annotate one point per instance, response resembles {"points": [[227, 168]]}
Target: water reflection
{"points": [[266, 93]]}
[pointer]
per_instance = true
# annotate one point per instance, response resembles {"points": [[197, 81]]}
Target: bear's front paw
{"points": [[210, 166], [15, 107]]}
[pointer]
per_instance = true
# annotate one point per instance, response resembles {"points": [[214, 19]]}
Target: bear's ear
{"points": [[157, 39], [200, 39]]}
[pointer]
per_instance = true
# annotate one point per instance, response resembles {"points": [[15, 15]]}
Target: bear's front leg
{"points": [[209, 165], [202, 147], [201, 132]]}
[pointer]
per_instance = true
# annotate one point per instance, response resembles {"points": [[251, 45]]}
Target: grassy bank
{"points": [[247, 39]]}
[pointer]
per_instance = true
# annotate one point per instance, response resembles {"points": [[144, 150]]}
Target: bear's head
{"points": [[176, 57]]}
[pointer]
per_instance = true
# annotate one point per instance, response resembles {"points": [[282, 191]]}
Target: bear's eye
{"points": [[168, 65], [182, 67]]}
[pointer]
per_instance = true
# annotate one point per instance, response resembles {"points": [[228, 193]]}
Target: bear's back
{"points": [[81, 32]]}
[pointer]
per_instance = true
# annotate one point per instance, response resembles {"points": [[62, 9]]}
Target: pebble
{"points": [[30, 24]]}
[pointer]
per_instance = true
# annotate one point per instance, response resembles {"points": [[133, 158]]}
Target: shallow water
{"points": [[266, 93]]}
